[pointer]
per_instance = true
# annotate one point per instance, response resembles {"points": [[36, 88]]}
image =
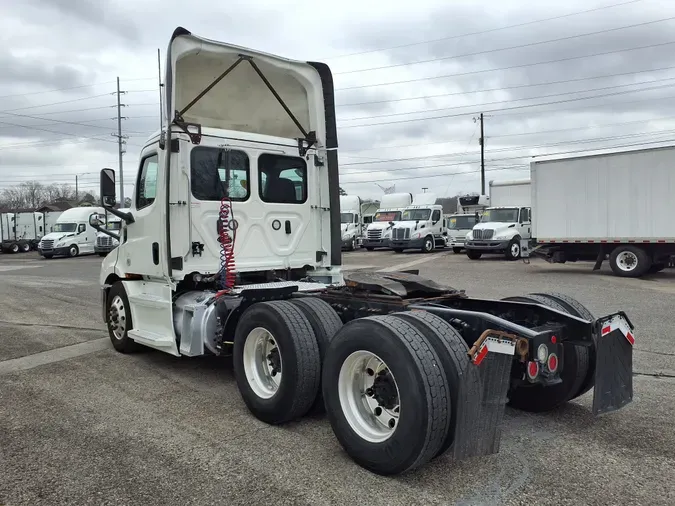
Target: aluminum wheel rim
{"points": [[371, 420], [73, 251], [15, 248], [515, 250], [262, 363], [627, 261], [118, 317], [428, 245]]}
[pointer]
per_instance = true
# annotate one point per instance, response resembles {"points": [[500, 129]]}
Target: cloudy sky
{"points": [[551, 78]]}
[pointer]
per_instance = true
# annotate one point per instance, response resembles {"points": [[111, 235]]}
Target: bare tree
{"points": [[33, 193]]}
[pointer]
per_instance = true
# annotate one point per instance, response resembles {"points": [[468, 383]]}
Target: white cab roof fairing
{"points": [[242, 101]]}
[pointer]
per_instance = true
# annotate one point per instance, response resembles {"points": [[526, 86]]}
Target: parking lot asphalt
{"points": [[82, 424]]}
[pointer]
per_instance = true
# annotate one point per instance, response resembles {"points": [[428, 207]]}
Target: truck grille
{"points": [[485, 233], [104, 241], [375, 234], [48, 244], [401, 233]]}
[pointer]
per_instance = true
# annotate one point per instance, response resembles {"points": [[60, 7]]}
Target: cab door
{"points": [[525, 223]]}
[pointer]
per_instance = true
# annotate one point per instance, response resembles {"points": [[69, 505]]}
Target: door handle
{"points": [[288, 226], [155, 253]]}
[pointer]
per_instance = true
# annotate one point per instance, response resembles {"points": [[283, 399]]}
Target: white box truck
{"points": [[617, 205], [406, 369], [469, 210], [72, 234], [422, 226], [378, 233], [505, 224]]}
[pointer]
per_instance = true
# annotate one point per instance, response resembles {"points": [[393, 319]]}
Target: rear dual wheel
{"points": [[578, 362], [390, 384]]}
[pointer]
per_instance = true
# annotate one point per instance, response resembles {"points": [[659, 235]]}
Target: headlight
{"points": [[469, 236], [417, 235], [502, 235]]}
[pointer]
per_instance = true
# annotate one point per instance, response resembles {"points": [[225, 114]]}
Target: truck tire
{"points": [[394, 363], [48, 256], [576, 308], [102, 254], [73, 251], [14, 247], [368, 248], [629, 261], [513, 249], [325, 323], [473, 254], [536, 398], [276, 359], [398, 250], [452, 352], [456, 251], [25, 247], [428, 244], [118, 319]]}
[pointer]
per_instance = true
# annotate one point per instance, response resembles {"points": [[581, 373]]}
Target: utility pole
{"points": [[77, 193], [482, 157], [120, 149]]}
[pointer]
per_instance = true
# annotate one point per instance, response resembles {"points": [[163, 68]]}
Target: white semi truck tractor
{"points": [[378, 233], [104, 242], [232, 246], [351, 221], [422, 226]]}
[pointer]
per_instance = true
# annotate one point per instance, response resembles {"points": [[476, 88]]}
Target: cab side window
{"points": [[147, 182], [436, 216], [525, 215], [81, 228]]}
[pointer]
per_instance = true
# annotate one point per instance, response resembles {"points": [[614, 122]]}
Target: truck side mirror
{"points": [[95, 221], [108, 196]]}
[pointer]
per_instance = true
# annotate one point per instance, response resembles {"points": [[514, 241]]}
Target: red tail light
{"points": [[553, 362], [532, 370]]}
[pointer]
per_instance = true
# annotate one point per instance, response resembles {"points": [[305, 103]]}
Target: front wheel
{"points": [[473, 254], [428, 245], [368, 248], [456, 251], [513, 249], [73, 251], [102, 254], [118, 319], [398, 250]]}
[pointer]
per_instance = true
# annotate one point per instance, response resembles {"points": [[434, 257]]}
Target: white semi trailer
{"points": [[232, 246], [617, 206]]}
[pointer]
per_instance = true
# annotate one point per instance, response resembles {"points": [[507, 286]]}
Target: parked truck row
{"points": [[21, 231]]}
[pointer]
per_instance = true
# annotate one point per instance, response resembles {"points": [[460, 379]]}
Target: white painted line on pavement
{"points": [[426, 258], [17, 267], [51, 356]]}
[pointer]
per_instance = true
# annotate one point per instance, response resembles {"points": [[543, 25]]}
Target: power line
{"points": [[53, 132], [83, 121], [81, 99], [54, 121], [525, 98], [522, 65], [501, 150], [511, 158], [73, 88], [491, 30], [525, 106], [504, 88], [508, 48]]}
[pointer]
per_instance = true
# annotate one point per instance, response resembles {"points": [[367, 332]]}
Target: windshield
{"points": [[462, 222], [388, 216], [65, 227], [416, 215], [506, 215], [346, 217], [114, 225]]}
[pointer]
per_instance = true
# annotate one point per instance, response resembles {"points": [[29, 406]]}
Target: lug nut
{"points": [[369, 392], [392, 423], [378, 411], [370, 372]]}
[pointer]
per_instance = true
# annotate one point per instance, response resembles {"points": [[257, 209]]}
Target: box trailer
{"points": [[614, 205], [515, 193]]}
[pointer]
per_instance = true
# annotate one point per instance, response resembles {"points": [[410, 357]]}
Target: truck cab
{"points": [[378, 232], [72, 234], [104, 242], [421, 227], [459, 225], [351, 226], [500, 231]]}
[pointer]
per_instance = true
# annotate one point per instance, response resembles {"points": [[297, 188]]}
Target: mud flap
{"points": [[481, 400], [614, 363]]}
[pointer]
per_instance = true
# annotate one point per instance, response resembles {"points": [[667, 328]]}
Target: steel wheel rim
{"points": [[371, 419], [15, 248], [515, 249], [262, 363], [627, 261], [118, 317], [428, 245], [73, 251]]}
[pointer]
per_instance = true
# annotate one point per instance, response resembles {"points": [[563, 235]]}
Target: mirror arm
{"points": [[106, 231], [128, 217]]}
